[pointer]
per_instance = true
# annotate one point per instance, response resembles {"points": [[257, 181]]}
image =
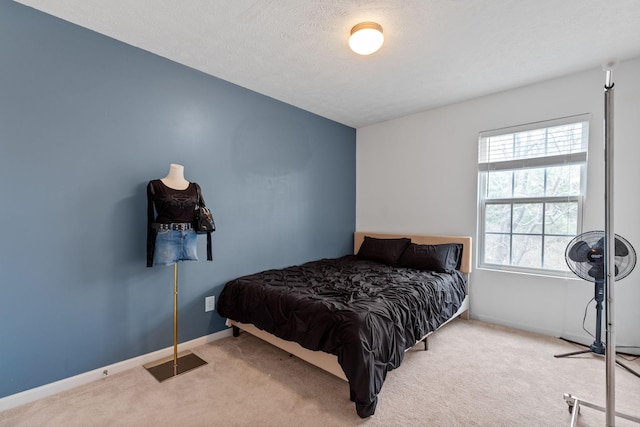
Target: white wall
{"points": [[419, 174]]}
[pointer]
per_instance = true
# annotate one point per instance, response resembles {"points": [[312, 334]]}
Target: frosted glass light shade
{"points": [[366, 38]]}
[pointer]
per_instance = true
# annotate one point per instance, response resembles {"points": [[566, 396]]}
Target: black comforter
{"points": [[364, 312]]}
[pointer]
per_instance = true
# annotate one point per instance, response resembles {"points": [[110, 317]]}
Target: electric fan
{"points": [[585, 257]]}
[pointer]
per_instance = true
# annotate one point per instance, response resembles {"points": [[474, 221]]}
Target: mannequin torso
{"points": [[175, 179], [172, 200]]}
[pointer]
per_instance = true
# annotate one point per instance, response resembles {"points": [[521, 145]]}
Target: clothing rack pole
{"points": [[609, 264], [610, 277]]}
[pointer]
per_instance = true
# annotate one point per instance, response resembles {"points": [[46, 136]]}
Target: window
{"points": [[531, 183]]}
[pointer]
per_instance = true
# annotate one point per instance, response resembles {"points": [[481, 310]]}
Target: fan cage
{"points": [[624, 264]]}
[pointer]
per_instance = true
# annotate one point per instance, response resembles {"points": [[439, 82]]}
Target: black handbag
{"points": [[203, 218], [203, 222]]}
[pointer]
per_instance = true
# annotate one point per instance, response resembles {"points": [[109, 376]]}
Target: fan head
{"points": [[586, 258]]}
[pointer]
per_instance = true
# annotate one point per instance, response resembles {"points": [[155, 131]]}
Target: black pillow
{"points": [[386, 251], [443, 258]]}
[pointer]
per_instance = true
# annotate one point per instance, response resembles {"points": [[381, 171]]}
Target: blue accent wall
{"points": [[85, 123]]}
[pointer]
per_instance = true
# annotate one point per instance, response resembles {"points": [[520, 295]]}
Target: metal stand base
{"points": [[164, 369], [179, 363], [574, 409], [594, 350]]}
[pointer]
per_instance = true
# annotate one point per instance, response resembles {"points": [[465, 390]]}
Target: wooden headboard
{"points": [[422, 239]]}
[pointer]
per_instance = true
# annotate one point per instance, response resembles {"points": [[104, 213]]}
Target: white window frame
{"points": [[485, 166]]}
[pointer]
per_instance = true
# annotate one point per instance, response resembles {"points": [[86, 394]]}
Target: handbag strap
{"points": [[200, 199], [151, 232]]}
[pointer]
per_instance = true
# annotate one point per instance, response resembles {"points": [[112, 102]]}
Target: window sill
{"points": [[556, 274]]}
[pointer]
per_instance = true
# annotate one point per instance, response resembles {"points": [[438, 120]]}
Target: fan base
{"points": [[591, 350], [597, 347]]}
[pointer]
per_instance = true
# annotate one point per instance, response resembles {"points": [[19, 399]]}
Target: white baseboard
{"points": [[47, 390], [516, 325], [585, 340]]}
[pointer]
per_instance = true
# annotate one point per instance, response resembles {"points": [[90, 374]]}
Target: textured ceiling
{"points": [[436, 52]]}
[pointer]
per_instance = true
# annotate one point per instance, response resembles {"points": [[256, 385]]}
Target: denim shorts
{"points": [[175, 245]]}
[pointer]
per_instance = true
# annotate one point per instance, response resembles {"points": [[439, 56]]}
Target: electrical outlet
{"points": [[209, 304]]}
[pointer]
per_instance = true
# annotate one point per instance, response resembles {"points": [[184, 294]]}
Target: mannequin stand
{"points": [[170, 367]]}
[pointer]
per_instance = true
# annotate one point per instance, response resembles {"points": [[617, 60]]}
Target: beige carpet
{"points": [[474, 374]]}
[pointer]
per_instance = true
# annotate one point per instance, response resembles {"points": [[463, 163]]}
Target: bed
{"points": [[355, 316]]}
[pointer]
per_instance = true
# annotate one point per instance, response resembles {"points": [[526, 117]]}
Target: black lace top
{"points": [[173, 206]]}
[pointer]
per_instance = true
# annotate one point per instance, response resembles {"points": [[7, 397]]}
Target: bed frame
{"points": [[329, 362]]}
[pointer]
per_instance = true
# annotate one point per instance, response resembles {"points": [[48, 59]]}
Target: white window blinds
{"points": [[531, 146]]}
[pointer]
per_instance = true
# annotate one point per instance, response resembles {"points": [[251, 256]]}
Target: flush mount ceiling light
{"points": [[366, 38]]}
